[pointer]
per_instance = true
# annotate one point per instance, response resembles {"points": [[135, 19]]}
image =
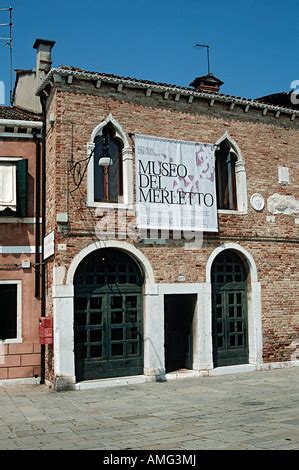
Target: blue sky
{"points": [[254, 43]]}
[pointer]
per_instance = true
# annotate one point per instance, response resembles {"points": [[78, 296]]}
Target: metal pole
{"points": [[208, 53], [10, 53]]}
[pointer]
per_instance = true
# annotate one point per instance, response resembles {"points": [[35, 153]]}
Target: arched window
{"points": [[108, 172], [226, 160]]}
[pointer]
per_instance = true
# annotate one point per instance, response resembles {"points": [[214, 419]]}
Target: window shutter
{"points": [[22, 187]]}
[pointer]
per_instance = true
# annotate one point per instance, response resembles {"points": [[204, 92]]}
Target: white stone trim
{"points": [[25, 381], [230, 212], [277, 365], [241, 180], [177, 375], [18, 220], [127, 247], [18, 250], [201, 321], [233, 369], [63, 308], [18, 123], [18, 339], [127, 200], [10, 159], [252, 367], [113, 382], [236, 247], [255, 336]]}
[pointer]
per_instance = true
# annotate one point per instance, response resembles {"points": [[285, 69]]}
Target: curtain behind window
{"points": [[8, 186]]}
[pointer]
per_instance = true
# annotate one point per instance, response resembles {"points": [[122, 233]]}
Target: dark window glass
{"points": [[96, 303], [95, 351], [117, 317], [95, 336], [116, 302], [108, 185], [8, 311], [132, 333], [117, 349], [231, 311], [95, 318], [80, 336], [239, 311], [81, 303], [131, 317], [80, 318], [226, 177], [132, 349], [219, 312], [131, 301], [117, 334]]}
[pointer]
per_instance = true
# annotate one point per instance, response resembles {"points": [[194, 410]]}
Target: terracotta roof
{"points": [[65, 70], [15, 113], [281, 99]]}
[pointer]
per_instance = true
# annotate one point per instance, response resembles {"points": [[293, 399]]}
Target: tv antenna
{"points": [[7, 38], [206, 46]]}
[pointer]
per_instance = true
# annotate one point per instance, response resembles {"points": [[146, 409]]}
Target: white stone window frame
{"points": [[127, 168], [11, 160], [241, 181], [19, 338]]}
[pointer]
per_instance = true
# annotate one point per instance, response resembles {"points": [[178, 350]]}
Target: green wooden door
{"points": [[229, 309], [108, 329]]}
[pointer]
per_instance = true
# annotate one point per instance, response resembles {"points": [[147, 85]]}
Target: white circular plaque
{"points": [[257, 201]]}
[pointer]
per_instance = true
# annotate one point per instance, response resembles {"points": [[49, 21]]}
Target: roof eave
{"points": [[162, 88]]}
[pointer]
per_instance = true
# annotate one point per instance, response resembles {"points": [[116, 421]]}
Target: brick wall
{"points": [[266, 142]]}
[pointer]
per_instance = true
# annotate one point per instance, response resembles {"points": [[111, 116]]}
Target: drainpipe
{"points": [[37, 217], [43, 100]]}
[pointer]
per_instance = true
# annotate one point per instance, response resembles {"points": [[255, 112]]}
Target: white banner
{"points": [[175, 185]]}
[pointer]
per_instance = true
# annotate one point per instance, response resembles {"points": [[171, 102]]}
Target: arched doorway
{"points": [[229, 310], [108, 317]]}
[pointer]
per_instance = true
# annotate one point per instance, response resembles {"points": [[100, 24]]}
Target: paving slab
{"points": [[255, 410]]}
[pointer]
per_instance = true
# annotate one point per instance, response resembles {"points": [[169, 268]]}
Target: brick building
{"points": [[19, 252], [129, 303]]}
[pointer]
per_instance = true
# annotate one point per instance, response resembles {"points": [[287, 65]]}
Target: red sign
{"points": [[46, 330]]}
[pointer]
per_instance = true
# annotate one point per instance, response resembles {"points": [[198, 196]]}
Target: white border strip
{"points": [[19, 220], [18, 283], [25, 381], [12, 123], [17, 250]]}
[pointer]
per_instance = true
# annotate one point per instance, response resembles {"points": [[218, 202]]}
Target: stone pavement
{"points": [[256, 410]]}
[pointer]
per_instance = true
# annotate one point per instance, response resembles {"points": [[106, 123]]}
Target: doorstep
{"points": [[115, 382], [233, 369], [183, 374]]}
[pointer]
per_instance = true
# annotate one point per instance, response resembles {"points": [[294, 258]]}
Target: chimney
{"points": [[207, 84], [43, 58]]}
